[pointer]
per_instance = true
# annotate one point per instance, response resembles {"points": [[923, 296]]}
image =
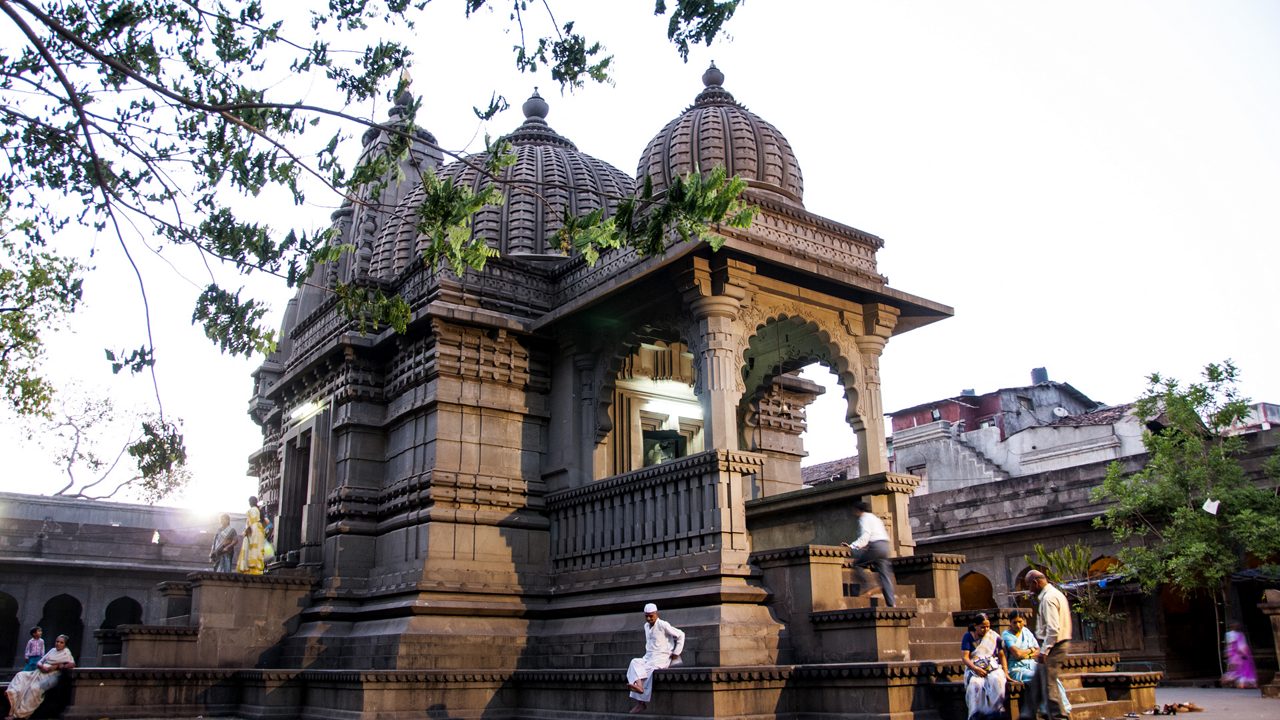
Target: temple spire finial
{"points": [[535, 107], [713, 77]]}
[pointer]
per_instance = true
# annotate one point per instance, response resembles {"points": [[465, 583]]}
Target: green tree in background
{"points": [[1189, 517], [38, 290]]}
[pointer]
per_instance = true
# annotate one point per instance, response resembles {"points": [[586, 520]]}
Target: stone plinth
{"points": [[935, 575], [236, 621], [823, 515], [873, 634]]}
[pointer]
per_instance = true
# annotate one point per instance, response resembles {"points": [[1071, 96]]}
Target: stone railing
{"points": [[682, 508]]}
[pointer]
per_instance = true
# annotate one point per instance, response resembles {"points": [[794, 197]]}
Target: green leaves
{"points": [[695, 21], [161, 457], [1072, 564], [444, 217], [136, 361], [39, 289], [688, 209], [1193, 456], [233, 324]]}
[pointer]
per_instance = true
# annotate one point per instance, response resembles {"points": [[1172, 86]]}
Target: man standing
{"points": [[663, 643], [1053, 627], [224, 545], [872, 548]]}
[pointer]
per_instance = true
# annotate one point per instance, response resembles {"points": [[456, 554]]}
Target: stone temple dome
{"points": [[718, 131], [550, 176]]}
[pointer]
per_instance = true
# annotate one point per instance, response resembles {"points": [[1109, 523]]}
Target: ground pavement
{"points": [[1220, 703]]}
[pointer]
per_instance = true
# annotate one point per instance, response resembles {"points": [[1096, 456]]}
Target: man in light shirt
{"points": [[872, 548], [663, 643], [1053, 627]]}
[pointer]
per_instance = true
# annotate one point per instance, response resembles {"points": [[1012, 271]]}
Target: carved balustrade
{"points": [[676, 511]]}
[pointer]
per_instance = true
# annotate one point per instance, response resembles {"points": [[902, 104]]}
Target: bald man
{"points": [[1053, 627]]}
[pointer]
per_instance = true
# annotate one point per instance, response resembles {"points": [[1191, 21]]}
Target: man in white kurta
{"points": [[663, 643]]}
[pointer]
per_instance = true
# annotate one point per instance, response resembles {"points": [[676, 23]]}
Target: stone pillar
{"points": [[715, 296], [1271, 608], [878, 323]]}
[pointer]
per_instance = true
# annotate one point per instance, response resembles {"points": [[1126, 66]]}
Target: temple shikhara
{"points": [[470, 515]]}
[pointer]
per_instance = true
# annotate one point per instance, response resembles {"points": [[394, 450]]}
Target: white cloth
{"points": [[871, 529], [26, 690], [984, 696], [662, 640], [1053, 618]]}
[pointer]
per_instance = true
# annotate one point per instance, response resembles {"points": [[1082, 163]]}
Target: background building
{"points": [[75, 566]]}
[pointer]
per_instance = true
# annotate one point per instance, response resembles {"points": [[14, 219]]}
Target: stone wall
{"points": [[76, 566]]}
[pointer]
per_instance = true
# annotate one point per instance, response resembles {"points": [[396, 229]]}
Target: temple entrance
{"points": [[656, 415]]}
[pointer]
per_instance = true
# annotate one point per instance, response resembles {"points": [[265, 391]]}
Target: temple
{"points": [[471, 514]]}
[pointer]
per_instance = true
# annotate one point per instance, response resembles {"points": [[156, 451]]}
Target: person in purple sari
{"points": [[1241, 672]]}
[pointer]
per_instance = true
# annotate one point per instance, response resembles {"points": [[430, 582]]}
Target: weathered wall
{"points": [[93, 553]]}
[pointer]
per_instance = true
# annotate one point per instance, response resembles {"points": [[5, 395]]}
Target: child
{"points": [[35, 648]]}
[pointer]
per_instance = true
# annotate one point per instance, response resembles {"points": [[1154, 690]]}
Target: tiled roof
{"points": [[1105, 416], [824, 472]]}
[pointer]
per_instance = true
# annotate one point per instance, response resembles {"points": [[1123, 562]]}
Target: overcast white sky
{"points": [[1093, 186]]}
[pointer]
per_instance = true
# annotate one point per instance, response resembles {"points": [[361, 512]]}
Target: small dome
{"points": [[718, 131], [550, 176]]}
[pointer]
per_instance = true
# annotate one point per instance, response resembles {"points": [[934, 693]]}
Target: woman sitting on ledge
{"points": [[26, 690], [985, 671]]}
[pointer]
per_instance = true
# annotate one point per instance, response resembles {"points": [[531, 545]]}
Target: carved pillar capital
{"points": [[715, 291], [879, 319]]}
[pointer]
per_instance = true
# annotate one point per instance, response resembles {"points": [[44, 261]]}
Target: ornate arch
{"points": [[834, 345]]}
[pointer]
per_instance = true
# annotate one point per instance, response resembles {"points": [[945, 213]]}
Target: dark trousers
{"points": [[876, 554], [1043, 688]]}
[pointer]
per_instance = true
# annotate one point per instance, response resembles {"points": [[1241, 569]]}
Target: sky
{"points": [[1092, 186]]}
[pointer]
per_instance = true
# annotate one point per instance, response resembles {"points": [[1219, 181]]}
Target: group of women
{"points": [[26, 690], [990, 659]]}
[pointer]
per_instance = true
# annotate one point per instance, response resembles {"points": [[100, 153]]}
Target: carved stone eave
{"points": [[877, 484], [579, 288]]}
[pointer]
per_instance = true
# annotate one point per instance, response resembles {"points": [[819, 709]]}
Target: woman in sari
{"points": [[1241, 672], [1021, 649], [26, 690], [252, 551], [985, 673]]}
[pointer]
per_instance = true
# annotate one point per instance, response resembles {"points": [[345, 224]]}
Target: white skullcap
{"points": [[650, 607]]}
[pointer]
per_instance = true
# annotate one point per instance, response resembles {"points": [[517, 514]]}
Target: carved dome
{"points": [[550, 175], [718, 131]]}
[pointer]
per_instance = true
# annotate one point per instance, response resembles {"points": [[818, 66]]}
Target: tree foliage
{"points": [[105, 451], [38, 289], [1068, 567], [1193, 456], [158, 122]]}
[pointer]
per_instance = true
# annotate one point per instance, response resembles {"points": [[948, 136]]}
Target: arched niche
{"points": [[123, 610], [63, 616], [12, 639], [783, 337], [1023, 599], [976, 592]]}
